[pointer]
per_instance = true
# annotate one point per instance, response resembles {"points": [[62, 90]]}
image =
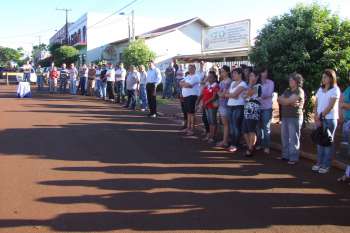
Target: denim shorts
{"points": [[223, 111], [212, 115]]}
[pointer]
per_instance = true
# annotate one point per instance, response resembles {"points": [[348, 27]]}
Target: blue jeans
{"points": [[324, 153], [52, 85], [235, 119], [73, 87], [168, 86], [63, 85], [290, 135], [131, 99], [98, 91], [143, 96], [82, 82], [26, 77], [40, 82], [103, 89], [264, 132], [120, 89]]}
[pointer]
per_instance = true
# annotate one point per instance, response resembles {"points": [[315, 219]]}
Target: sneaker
{"points": [[267, 151], [323, 170], [153, 116], [232, 149], [281, 158], [210, 140], [258, 148], [316, 168], [143, 110], [292, 162]]}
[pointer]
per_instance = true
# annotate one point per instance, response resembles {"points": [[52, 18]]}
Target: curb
{"points": [[274, 145]]}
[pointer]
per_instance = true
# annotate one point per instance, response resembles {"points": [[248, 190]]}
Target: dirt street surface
{"points": [[76, 164]]}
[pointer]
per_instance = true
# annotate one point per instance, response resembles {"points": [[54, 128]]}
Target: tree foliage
{"points": [[308, 39], [64, 54], [8, 55], [137, 53]]}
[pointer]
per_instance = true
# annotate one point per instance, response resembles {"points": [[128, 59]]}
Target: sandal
{"points": [[344, 178], [222, 144]]}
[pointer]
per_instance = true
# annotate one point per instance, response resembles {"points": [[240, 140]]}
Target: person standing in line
{"points": [[236, 107], [40, 77], [83, 75], [63, 78], [264, 131], [53, 76], [27, 69], [132, 86], [292, 102], [154, 77], [91, 80], [190, 91], [143, 93], [169, 80], [73, 75], [176, 67], [180, 74], [120, 75], [326, 114], [251, 112], [209, 99], [97, 86], [110, 82], [225, 83], [103, 78]]}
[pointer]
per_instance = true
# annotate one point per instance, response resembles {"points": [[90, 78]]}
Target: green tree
{"points": [[307, 39], [137, 53], [8, 54], [65, 54], [36, 51]]}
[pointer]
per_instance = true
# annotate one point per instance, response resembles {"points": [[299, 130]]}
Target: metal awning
{"points": [[215, 56]]}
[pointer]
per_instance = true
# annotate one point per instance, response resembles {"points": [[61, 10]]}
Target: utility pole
{"points": [[133, 25], [66, 10], [39, 37], [129, 29]]}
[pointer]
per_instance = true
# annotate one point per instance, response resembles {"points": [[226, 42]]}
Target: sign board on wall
{"points": [[228, 36]]}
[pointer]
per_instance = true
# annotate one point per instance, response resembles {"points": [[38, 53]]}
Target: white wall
{"points": [[184, 41]]}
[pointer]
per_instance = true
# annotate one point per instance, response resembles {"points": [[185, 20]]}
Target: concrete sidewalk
{"points": [[171, 108]]}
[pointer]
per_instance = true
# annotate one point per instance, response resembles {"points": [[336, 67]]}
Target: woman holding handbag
{"points": [[326, 115]]}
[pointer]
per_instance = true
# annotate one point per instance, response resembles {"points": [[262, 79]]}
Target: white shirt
{"points": [[143, 78], [323, 100], [120, 74], [194, 80], [27, 68], [98, 74], [240, 100], [73, 73], [110, 75], [154, 76], [133, 78]]}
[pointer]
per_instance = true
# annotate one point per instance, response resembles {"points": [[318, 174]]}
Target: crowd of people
{"points": [[239, 99]]}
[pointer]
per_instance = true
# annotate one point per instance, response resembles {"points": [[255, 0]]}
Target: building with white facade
{"points": [[183, 38]]}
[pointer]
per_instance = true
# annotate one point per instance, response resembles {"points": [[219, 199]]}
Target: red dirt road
{"points": [[75, 164]]}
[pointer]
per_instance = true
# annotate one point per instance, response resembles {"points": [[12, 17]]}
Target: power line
{"points": [[28, 34], [118, 11]]}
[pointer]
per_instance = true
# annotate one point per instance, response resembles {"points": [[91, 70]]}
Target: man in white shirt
{"points": [[110, 82], [27, 68], [154, 77], [120, 75]]}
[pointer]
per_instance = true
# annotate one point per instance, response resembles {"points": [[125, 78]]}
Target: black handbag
{"points": [[322, 136]]}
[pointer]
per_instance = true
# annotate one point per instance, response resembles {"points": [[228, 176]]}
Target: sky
{"points": [[24, 23]]}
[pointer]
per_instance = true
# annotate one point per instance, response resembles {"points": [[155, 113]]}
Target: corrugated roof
{"points": [[166, 29]]}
